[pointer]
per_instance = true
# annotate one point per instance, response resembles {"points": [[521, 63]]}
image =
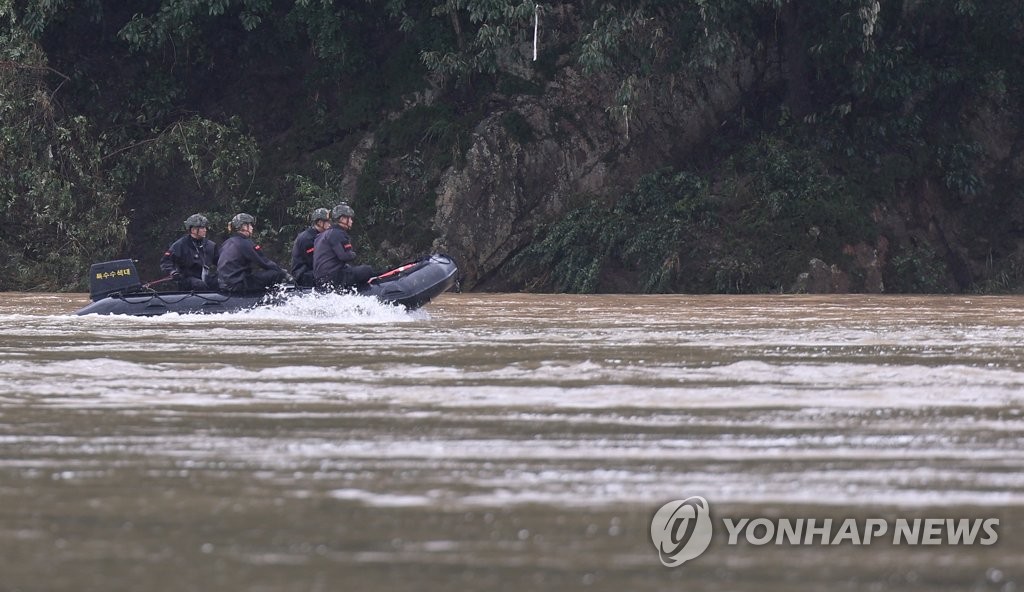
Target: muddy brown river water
{"points": [[513, 442]]}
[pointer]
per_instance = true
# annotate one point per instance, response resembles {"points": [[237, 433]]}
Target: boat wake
{"points": [[337, 308]]}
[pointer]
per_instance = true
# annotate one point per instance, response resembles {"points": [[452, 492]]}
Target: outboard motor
{"points": [[112, 277]]}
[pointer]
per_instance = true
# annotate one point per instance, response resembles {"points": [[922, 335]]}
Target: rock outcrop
{"points": [[514, 182]]}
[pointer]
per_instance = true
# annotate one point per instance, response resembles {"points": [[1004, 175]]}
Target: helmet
{"points": [[319, 214], [342, 209], [241, 219], [196, 221]]}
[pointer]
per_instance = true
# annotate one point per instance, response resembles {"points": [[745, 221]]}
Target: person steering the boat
{"points": [[190, 259], [333, 254], [302, 249], [242, 266]]}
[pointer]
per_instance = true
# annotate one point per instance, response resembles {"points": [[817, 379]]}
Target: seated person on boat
{"points": [[242, 266], [190, 259], [302, 248], [333, 254]]}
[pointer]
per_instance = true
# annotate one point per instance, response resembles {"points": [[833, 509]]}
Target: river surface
{"points": [[510, 442]]}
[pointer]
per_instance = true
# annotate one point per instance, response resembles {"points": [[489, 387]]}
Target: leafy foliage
{"points": [[60, 200], [918, 269], [195, 165], [311, 194], [789, 206], [648, 229], [484, 32], [117, 119], [571, 253], [776, 208]]}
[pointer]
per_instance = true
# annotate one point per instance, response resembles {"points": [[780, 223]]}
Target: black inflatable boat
{"points": [[115, 289]]}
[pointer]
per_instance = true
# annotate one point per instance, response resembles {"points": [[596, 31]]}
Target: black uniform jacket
{"points": [[332, 252], [238, 257], [302, 252], [189, 257]]}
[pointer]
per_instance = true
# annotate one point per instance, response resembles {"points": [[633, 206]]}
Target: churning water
{"points": [[506, 442]]}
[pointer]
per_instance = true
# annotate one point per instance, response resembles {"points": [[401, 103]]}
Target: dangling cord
{"points": [[536, 25]]}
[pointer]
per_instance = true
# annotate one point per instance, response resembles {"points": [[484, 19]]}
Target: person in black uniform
{"points": [[242, 267], [191, 258], [302, 249], [333, 254]]}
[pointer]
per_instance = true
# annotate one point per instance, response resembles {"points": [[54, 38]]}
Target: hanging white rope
{"points": [[536, 26]]}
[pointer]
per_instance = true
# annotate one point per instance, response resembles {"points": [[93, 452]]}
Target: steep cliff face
{"points": [[963, 228], [536, 156], [531, 157], [514, 181]]}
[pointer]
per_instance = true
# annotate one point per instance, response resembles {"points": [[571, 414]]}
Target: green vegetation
{"points": [[647, 230], [918, 269], [54, 171], [774, 208], [870, 113], [119, 119]]}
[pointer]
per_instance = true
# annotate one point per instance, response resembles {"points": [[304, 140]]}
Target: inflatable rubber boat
{"points": [[114, 289]]}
